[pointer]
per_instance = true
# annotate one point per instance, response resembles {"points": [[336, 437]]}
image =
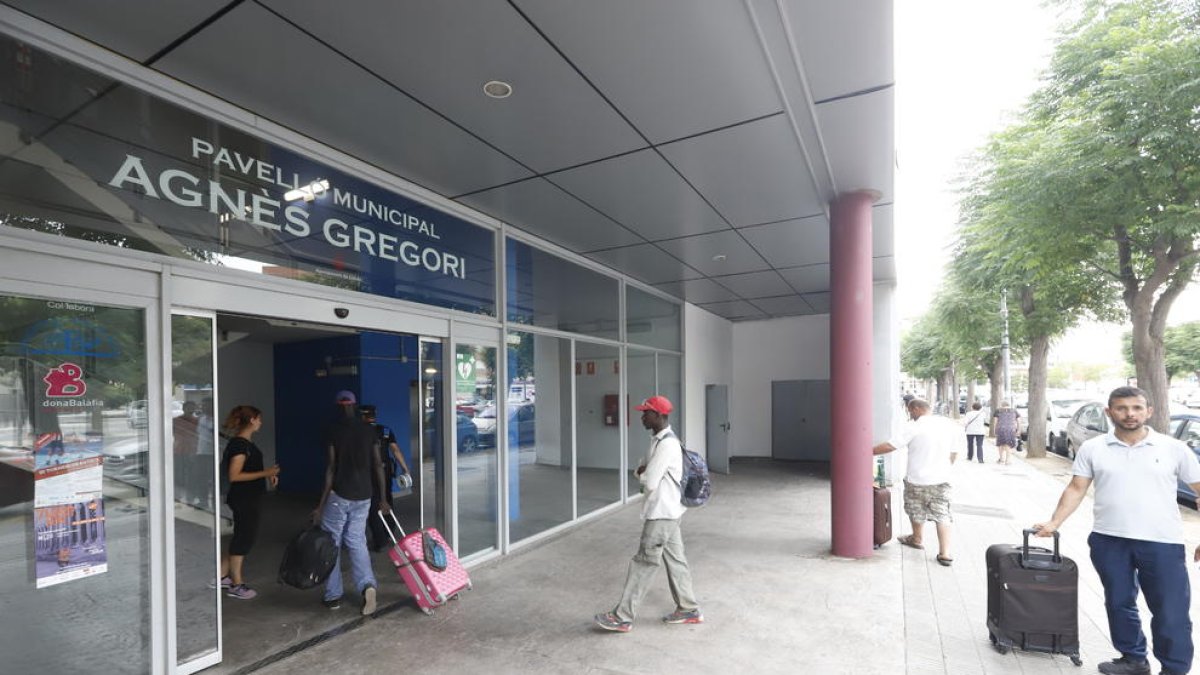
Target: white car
{"points": [[1059, 412]]}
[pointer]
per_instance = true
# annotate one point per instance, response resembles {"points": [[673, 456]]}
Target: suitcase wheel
{"points": [[427, 610], [1000, 648]]}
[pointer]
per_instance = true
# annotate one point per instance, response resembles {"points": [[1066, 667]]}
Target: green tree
{"points": [[1181, 349], [1117, 165], [1010, 241]]}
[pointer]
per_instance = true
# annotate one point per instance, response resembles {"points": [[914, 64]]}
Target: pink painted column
{"points": [[850, 351]]}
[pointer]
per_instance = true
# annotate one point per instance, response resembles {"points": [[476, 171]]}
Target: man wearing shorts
{"points": [[932, 444]]}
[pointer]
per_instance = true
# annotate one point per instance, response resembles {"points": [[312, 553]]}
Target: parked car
{"points": [[1186, 427], [468, 437], [138, 413], [1059, 414], [521, 425], [1088, 422], [127, 460]]}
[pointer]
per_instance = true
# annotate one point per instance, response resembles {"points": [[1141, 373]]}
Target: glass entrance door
{"points": [[194, 449], [75, 485]]}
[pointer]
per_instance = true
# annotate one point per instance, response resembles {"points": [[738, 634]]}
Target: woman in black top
{"points": [[243, 463]]}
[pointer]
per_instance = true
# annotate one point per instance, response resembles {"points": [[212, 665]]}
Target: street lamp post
{"points": [[1004, 345]]}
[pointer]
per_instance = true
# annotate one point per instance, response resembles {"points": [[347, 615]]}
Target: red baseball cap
{"points": [[659, 404]]}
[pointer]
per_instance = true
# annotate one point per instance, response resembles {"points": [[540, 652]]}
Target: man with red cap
{"points": [[660, 474]]}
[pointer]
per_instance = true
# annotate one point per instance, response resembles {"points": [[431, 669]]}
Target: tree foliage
{"points": [[1093, 196], [1181, 349]]}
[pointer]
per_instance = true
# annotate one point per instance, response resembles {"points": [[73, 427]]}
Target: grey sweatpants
{"points": [[661, 541]]}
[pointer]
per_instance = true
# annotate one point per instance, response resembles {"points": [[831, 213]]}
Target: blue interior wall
{"points": [[377, 367], [388, 367], [304, 405]]}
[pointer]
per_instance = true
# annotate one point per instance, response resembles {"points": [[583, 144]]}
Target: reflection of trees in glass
{"points": [[108, 343], [191, 350], [62, 229]]}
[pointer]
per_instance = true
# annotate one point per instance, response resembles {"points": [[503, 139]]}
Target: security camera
{"points": [[341, 312]]}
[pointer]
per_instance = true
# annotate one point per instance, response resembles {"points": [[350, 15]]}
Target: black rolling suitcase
{"points": [[1033, 599]]}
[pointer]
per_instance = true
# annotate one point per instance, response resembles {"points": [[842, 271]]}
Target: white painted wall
{"points": [[885, 370], [246, 376], [794, 348], [708, 359], [797, 348]]}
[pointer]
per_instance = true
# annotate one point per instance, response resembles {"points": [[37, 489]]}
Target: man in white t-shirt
{"points": [[931, 441], [1137, 537]]}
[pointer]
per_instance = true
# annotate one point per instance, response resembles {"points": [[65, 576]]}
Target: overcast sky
{"points": [[964, 68]]}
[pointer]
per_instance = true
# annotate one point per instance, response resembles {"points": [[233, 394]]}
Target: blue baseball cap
{"points": [[345, 396]]}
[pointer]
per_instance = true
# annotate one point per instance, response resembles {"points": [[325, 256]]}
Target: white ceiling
{"points": [[653, 137]]}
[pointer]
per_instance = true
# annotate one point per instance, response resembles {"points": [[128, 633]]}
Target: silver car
{"points": [[1087, 422]]}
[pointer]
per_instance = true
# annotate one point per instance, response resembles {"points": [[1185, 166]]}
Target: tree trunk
{"points": [[1149, 362], [1039, 349], [970, 392], [953, 392], [996, 379]]}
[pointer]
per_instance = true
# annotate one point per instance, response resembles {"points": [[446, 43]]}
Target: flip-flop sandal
{"points": [[945, 562], [907, 540]]}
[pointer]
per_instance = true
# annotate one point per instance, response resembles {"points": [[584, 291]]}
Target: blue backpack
{"points": [[695, 487]]}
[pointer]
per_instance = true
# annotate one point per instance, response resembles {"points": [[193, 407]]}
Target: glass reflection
{"points": [[75, 540], [539, 454], [195, 482], [478, 471], [652, 321], [641, 383], [597, 425]]}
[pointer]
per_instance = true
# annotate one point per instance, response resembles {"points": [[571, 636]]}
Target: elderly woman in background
{"points": [[1006, 425]]}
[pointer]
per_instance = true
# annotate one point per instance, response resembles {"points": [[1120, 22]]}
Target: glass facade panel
{"points": [[74, 523], [431, 481], [195, 480], [550, 292], [539, 433], [478, 471], [652, 321], [640, 381], [670, 384], [108, 163], [597, 425]]}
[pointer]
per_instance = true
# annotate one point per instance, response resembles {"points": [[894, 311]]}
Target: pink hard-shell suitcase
{"points": [[430, 587]]}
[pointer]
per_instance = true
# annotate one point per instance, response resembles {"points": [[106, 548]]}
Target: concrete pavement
{"points": [[774, 600]]}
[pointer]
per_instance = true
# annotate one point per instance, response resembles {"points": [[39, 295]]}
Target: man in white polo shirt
{"points": [[932, 443], [1137, 538]]}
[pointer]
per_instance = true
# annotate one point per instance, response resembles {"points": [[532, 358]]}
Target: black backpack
{"points": [[308, 559], [695, 487]]}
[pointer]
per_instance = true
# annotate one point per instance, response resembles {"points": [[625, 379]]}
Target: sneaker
{"points": [[225, 583], [335, 603], [680, 616], [241, 592], [1125, 666], [610, 621], [368, 601]]}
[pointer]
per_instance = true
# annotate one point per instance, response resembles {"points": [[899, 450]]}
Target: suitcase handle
{"points": [[1057, 557], [396, 521]]}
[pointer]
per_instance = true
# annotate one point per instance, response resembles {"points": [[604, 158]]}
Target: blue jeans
{"points": [[1160, 571], [346, 520]]}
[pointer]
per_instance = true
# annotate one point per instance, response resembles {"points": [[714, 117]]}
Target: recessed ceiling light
{"points": [[497, 89], [720, 257]]}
